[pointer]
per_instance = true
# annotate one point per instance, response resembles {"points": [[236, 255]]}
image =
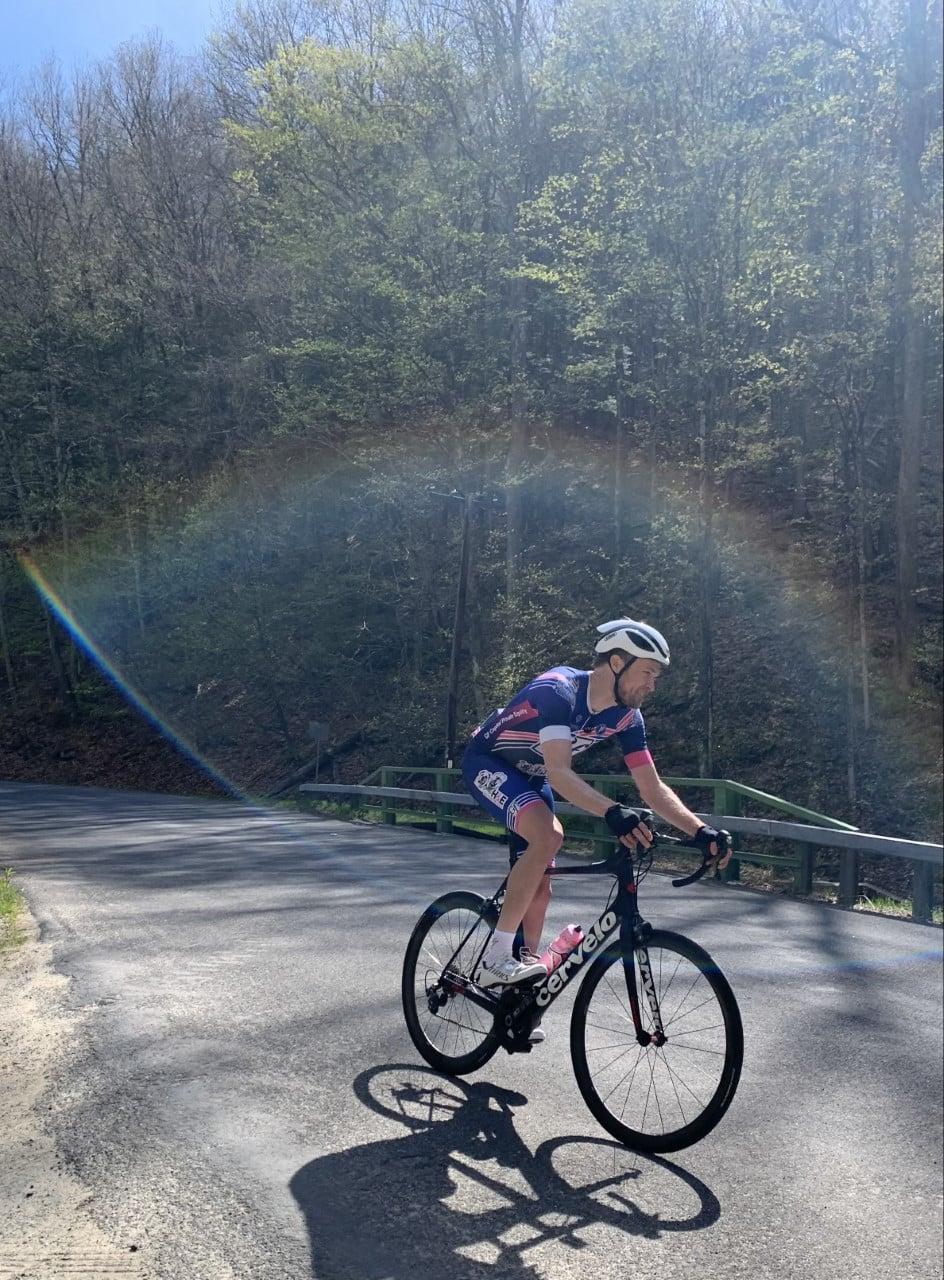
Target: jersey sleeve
{"points": [[554, 701], [633, 745]]}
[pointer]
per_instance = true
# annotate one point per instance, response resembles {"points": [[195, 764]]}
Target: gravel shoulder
{"points": [[46, 1226]]}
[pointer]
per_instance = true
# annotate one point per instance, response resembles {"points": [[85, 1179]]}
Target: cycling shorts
{"points": [[502, 791]]}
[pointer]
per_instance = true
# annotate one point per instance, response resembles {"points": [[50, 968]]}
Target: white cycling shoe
{"points": [[507, 971]]}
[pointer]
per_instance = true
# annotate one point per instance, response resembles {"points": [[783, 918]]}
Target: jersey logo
{"points": [[524, 711], [490, 785]]}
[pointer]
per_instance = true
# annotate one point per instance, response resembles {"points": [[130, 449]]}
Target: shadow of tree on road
{"points": [[461, 1197]]}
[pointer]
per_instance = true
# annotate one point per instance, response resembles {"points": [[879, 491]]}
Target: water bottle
{"points": [[562, 946]]}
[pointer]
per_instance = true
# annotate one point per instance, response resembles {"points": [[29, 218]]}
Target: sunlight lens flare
{"points": [[115, 677]]}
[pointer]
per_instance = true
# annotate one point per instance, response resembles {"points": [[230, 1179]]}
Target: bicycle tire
{"points": [[472, 1024], [724, 1041]]}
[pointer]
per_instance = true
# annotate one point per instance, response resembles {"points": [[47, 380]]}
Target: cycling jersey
{"points": [[554, 705]]}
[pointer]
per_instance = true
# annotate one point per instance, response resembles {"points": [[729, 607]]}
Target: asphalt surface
{"points": [[245, 1101]]}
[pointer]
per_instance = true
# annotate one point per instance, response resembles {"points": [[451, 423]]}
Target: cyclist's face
{"points": [[637, 681]]}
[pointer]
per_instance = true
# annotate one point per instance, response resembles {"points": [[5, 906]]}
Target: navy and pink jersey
{"points": [[554, 705]]}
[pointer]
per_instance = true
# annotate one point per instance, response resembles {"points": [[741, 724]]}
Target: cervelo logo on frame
{"points": [[560, 977], [645, 972]]}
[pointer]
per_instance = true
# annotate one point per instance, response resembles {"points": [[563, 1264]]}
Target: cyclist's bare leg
{"points": [[532, 926], [544, 835]]}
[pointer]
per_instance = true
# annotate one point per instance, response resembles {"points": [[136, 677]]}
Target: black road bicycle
{"points": [[658, 1072]]}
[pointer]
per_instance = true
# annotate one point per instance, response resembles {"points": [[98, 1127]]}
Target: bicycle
{"points": [[458, 1027]]}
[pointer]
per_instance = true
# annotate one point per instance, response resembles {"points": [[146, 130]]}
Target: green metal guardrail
{"points": [[850, 843], [727, 798]]}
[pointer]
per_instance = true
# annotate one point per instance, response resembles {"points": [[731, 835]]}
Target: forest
{"points": [[633, 305]]}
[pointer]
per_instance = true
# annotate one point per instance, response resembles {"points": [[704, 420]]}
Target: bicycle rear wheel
{"points": [[658, 1098], [453, 1034]]}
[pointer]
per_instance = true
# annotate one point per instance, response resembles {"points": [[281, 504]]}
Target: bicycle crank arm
{"points": [[515, 1018], [456, 984]]}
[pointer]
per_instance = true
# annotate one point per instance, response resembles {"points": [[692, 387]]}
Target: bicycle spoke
{"points": [[655, 1091], [697, 1031], [631, 1072], [625, 1006], [616, 1031], [645, 1111], [683, 1084], [672, 979], [709, 999], [451, 944], [677, 1098], [680, 1078], [710, 1077], [622, 1054], [694, 983]]}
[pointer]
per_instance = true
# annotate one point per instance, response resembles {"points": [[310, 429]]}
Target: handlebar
{"points": [[696, 875], [707, 862]]}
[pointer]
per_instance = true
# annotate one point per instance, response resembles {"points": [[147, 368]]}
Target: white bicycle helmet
{"points": [[635, 638]]}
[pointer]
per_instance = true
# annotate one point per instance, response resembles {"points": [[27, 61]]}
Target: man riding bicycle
{"points": [[522, 753]]}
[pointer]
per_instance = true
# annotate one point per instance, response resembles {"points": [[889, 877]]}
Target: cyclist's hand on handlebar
{"points": [[714, 845], [628, 825]]}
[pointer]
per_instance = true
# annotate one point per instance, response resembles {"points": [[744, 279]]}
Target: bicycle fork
{"points": [[634, 936]]}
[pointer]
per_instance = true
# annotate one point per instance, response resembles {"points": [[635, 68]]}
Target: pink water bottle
{"points": [[562, 946]]}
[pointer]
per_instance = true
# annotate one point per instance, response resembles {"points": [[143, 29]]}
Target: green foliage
{"points": [[633, 274], [11, 904]]}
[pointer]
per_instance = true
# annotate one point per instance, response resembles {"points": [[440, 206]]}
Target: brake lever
{"points": [[707, 863]]}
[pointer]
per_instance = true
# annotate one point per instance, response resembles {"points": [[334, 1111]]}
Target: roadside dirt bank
{"points": [[47, 1229]]}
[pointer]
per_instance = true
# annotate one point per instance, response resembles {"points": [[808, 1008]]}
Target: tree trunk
{"points": [[66, 690], [851, 725], [135, 567], [706, 604], [911, 148], [515, 489], [858, 445], [4, 642], [619, 462], [458, 628]]}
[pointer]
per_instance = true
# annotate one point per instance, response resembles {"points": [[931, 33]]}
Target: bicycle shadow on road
{"points": [[460, 1197]]}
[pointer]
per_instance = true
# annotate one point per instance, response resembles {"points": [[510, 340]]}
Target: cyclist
{"points": [[524, 750]]}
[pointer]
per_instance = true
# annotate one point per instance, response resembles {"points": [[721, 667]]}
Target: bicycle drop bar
{"points": [[706, 866], [707, 863], [696, 875], [607, 865]]}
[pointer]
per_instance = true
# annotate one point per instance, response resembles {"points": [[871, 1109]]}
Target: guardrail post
{"points": [[387, 815], [803, 872], [922, 891], [848, 878], [602, 844], [728, 802], [443, 812]]}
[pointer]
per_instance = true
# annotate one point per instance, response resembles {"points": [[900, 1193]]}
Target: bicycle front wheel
{"points": [[453, 1033], [658, 1097]]}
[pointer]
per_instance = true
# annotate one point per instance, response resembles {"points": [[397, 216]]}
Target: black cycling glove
{"points": [[704, 836], [625, 822]]}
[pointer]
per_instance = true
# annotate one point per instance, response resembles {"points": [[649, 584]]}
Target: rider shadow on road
{"points": [[460, 1197]]}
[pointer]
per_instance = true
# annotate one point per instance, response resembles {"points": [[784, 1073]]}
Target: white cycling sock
{"points": [[500, 947]]}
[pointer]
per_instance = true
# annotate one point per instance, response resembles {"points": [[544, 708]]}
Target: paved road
{"points": [[247, 1103]]}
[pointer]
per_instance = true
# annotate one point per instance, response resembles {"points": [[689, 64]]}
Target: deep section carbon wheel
{"points": [[454, 1034], [657, 1097]]}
